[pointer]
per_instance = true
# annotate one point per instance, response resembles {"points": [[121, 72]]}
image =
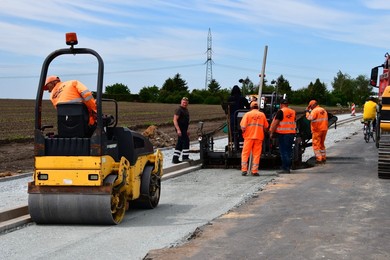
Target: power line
{"points": [[156, 68], [112, 72]]}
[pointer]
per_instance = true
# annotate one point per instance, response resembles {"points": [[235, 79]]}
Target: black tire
{"points": [[150, 189], [366, 133], [296, 161], [377, 132]]}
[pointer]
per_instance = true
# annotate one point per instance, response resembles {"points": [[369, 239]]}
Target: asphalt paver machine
{"points": [[230, 156]]}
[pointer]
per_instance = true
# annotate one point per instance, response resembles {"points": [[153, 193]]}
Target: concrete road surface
{"points": [[187, 202], [340, 210]]}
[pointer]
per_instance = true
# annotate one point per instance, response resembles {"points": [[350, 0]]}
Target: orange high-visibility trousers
{"points": [[318, 143], [255, 146]]}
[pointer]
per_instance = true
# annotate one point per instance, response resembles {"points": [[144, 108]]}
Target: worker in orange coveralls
{"points": [[72, 91], [253, 125], [319, 128]]}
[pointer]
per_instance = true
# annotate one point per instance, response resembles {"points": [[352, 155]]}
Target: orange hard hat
{"points": [[50, 79], [312, 103]]}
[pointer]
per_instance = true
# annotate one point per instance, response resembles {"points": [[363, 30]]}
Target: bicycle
{"points": [[367, 131]]}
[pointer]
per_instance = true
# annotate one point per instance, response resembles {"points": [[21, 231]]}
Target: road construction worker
{"points": [[236, 101], [284, 126], [369, 111], [71, 91], [319, 128], [253, 99], [253, 125], [181, 121]]}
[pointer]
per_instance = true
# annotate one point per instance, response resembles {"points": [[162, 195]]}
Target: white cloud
{"points": [[145, 35], [381, 5]]}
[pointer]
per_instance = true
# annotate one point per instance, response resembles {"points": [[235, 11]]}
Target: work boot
{"points": [[244, 173], [255, 174], [186, 159], [175, 160]]}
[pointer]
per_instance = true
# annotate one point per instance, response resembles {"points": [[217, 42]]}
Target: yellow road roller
{"points": [[89, 177]]}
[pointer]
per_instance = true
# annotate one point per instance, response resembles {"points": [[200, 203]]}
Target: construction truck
{"points": [[382, 130], [81, 178], [230, 156]]}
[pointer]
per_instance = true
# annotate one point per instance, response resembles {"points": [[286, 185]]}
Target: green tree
{"points": [[363, 89], [283, 86], [117, 89], [149, 94], [198, 96], [338, 81], [268, 88], [119, 92], [224, 94], [318, 91], [206, 97], [173, 90], [343, 88], [214, 86], [247, 87], [180, 84], [300, 96]]}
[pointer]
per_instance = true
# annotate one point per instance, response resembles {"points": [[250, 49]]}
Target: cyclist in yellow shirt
{"points": [[369, 111]]}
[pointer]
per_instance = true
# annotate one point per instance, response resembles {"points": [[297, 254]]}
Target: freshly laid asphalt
{"points": [[340, 210]]}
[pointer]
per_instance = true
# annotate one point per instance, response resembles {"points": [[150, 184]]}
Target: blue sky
{"points": [[143, 43]]}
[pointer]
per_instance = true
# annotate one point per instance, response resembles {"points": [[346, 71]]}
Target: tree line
{"points": [[345, 90]]}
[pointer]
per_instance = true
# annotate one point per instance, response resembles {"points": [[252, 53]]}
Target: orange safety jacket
{"points": [[253, 124], [319, 119], [288, 124], [74, 92]]}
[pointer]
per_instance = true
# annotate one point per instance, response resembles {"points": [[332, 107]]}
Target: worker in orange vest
{"points": [[253, 125], [319, 128], [284, 126], [72, 91]]}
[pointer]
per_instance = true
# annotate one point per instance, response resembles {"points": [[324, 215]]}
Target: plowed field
{"points": [[17, 126]]}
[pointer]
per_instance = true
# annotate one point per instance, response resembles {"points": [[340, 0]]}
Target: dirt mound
{"points": [[159, 138]]}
